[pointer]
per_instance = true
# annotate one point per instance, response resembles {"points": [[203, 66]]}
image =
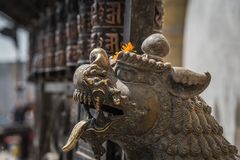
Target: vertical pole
{"points": [[138, 21]]}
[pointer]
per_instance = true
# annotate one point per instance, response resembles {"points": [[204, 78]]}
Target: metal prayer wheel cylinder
{"points": [[60, 38], [41, 43], [107, 24], [84, 30], [72, 33], [50, 41]]}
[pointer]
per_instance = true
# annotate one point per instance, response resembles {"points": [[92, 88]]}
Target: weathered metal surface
{"points": [[156, 111]]}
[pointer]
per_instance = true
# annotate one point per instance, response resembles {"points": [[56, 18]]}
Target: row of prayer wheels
{"points": [[66, 32]]}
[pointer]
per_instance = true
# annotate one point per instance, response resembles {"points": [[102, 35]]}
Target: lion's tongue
{"points": [[100, 124], [75, 135]]}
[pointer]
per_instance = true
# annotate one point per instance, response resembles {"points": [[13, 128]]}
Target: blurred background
{"points": [[204, 36]]}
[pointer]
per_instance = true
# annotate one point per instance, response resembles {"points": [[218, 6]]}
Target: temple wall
{"points": [[212, 43], [173, 27]]}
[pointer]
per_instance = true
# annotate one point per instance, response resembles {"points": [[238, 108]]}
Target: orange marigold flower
{"points": [[125, 48], [128, 47]]}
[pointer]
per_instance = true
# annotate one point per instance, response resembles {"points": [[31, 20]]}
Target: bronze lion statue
{"points": [[151, 109]]}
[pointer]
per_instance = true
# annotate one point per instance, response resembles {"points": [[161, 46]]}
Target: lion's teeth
{"points": [[82, 97], [98, 103]]}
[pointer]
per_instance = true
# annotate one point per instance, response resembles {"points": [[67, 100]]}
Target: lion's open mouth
{"points": [[99, 120], [86, 99]]}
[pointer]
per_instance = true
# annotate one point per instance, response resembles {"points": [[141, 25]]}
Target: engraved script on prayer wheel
{"points": [[72, 33], [107, 24]]}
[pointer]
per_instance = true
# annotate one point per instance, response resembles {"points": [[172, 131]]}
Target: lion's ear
{"points": [[186, 83]]}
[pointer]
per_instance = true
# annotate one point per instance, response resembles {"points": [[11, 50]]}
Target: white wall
{"points": [[8, 52], [9, 69], [212, 43]]}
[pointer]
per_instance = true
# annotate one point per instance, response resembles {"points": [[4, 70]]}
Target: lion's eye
{"points": [[125, 75]]}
